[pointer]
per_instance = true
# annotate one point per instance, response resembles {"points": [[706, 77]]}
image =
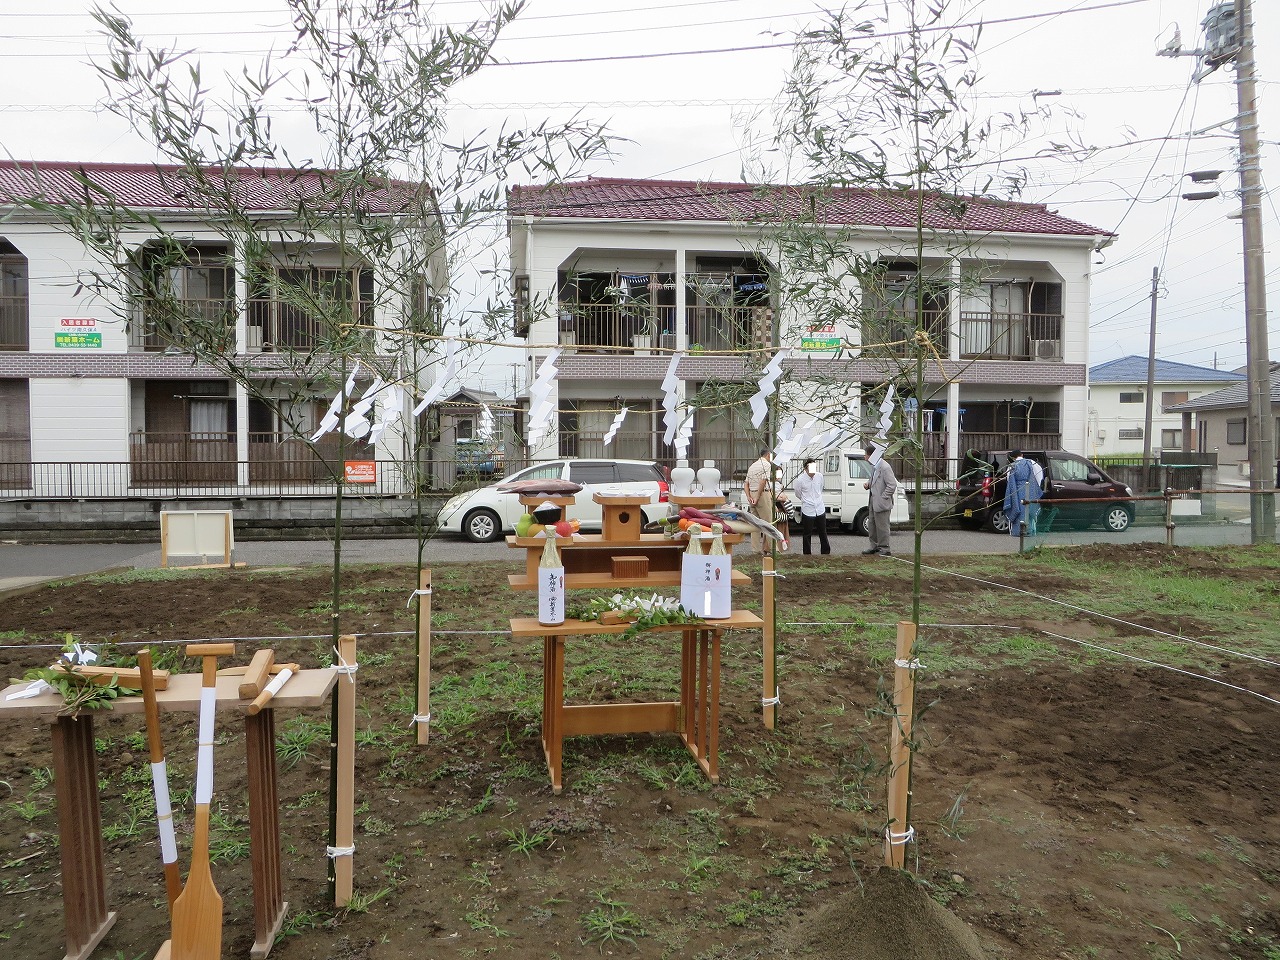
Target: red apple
{"points": [[564, 529]]}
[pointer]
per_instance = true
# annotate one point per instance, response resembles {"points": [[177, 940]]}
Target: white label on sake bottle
{"points": [[550, 595], [718, 602]]}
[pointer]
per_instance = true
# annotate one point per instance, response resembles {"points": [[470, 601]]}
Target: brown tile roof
{"points": [[617, 199], [157, 187]]}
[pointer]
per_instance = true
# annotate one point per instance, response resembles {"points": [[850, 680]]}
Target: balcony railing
{"points": [[210, 458], [639, 327], [14, 324], [180, 324], [276, 327], [645, 327], [983, 336], [1010, 336]]}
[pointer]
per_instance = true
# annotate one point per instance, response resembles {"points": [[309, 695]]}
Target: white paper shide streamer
{"points": [[390, 409], [541, 409], [882, 428], [334, 414], [768, 383], [671, 400], [437, 389], [615, 426], [356, 424]]}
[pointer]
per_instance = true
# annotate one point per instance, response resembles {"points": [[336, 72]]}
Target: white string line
{"points": [[1163, 666], [1095, 613], [311, 636]]}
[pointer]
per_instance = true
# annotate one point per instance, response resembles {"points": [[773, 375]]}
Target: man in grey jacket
{"points": [[883, 484]]}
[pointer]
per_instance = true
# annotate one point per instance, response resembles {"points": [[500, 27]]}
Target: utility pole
{"points": [[1151, 371], [1229, 35], [1262, 437]]}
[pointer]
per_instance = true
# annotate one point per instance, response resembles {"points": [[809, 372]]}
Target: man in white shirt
{"points": [[813, 509]]}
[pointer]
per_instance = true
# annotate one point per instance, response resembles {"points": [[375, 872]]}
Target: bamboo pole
{"points": [[898, 833], [343, 854], [770, 685], [422, 719]]}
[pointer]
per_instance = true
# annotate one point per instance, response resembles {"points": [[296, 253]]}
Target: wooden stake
{"points": [[770, 685], [160, 782], [424, 657], [343, 863], [898, 831]]}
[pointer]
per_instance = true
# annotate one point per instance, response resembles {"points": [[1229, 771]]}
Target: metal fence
{"points": [[231, 478]]}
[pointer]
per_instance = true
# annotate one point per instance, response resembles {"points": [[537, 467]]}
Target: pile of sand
{"points": [[891, 918]]}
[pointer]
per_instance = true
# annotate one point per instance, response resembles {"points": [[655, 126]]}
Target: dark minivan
{"points": [[1076, 491]]}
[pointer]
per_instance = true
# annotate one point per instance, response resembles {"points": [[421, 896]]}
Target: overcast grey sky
{"points": [[687, 117]]}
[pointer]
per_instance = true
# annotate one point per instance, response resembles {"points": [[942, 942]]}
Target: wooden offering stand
{"points": [[588, 558], [84, 893], [590, 561]]}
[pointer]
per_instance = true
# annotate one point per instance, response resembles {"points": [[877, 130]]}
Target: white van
{"points": [[848, 502]]}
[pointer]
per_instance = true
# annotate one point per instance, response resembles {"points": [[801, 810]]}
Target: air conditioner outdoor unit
{"points": [[568, 339], [667, 341], [1046, 350]]}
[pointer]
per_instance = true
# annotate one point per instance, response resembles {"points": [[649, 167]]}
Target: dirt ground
{"points": [[1067, 804]]}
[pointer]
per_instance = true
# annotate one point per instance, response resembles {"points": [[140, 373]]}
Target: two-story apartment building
{"points": [[620, 273], [101, 395], [1118, 404]]}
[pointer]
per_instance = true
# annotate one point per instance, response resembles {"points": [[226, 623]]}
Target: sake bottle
{"points": [[719, 600], [693, 575], [550, 584]]}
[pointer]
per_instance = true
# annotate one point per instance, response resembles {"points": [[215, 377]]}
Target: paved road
{"points": [[23, 564]]}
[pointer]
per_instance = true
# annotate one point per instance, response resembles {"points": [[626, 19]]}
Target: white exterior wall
{"points": [[1108, 416], [79, 419]]}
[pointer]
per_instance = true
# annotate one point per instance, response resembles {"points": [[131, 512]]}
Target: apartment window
{"points": [[520, 306], [1134, 433], [1237, 432], [1171, 439], [1169, 397], [14, 328], [1138, 397]]}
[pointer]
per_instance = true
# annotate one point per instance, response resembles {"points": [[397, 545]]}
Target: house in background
{"points": [[1221, 423], [620, 273], [98, 397], [1118, 404]]}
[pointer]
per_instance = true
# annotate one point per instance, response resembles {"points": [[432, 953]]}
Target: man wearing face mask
{"points": [[813, 509]]}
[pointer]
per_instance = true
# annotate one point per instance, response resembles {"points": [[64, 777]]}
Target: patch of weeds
{"points": [[523, 841], [28, 810], [755, 905], [376, 659], [297, 738], [361, 902], [308, 799], [375, 826], [610, 922], [297, 923]]}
